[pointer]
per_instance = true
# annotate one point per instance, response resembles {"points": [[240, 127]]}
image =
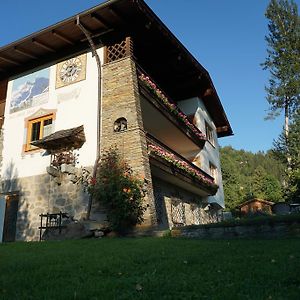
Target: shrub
{"points": [[119, 191]]}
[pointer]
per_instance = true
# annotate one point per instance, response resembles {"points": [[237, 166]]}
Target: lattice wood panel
{"points": [[118, 50], [196, 214], [178, 212]]}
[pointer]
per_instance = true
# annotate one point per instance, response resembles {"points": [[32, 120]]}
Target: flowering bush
{"points": [[171, 106], [181, 164], [118, 191]]}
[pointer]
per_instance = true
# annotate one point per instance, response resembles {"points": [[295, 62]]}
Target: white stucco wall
{"points": [[209, 153], [75, 105], [2, 214]]}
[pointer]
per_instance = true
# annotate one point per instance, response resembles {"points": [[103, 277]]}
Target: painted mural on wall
{"points": [[30, 90]]}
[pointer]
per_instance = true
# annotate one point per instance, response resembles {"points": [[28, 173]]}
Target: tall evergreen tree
{"points": [[283, 60], [291, 145]]}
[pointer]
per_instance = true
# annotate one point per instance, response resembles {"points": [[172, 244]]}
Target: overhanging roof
{"points": [[156, 50], [72, 138]]}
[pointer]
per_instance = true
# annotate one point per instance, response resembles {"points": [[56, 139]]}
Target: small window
{"points": [[120, 125], [213, 171], [209, 134], [37, 129]]}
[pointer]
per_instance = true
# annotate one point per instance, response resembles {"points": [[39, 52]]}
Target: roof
{"points": [[255, 200], [62, 139], [178, 73]]}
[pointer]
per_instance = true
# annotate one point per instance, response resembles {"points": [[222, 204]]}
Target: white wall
{"points": [[2, 214], [75, 104], [209, 153]]}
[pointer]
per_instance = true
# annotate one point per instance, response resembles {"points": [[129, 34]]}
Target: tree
{"points": [[265, 186], [247, 175], [283, 60], [291, 145]]}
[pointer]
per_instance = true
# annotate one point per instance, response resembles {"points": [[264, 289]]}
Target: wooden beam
{"points": [[10, 61], [221, 129], [90, 31], [100, 20], [25, 53], [62, 37], [208, 92], [99, 34], [115, 13], [42, 45]]}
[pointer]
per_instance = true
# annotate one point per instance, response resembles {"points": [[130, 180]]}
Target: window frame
{"points": [[30, 122], [213, 170], [210, 136]]}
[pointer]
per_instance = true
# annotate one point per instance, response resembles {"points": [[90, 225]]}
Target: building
{"points": [[112, 75], [255, 205]]}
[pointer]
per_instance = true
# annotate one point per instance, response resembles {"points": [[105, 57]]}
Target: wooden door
{"points": [[10, 219]]}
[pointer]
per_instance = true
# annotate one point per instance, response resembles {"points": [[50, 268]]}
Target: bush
{"points": [[119, 191]]}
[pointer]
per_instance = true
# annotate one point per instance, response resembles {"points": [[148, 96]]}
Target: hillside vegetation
{"points": [[247, 175]]}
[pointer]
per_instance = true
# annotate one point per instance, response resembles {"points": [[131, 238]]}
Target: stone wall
{"points": [[178, 207], [41, 194], [121, 99], [275, 230]]}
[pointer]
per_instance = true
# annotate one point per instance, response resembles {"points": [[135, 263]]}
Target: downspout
{"points": [[99, 105]]}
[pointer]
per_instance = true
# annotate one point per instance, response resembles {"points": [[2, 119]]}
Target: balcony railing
{"points": [[166, 105], [175, 161]]}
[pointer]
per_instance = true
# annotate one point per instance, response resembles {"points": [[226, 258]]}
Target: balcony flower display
{"points": [[181, 164], [171, 106]]}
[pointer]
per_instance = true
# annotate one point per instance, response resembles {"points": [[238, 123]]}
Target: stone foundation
{"points": [[177, 207], [41, 194]]}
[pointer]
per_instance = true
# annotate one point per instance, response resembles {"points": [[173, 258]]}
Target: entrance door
{"points": [[10, 219]]}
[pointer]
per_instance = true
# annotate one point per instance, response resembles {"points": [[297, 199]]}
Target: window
{"points": [[37, 129], [120, 125], [209, 134], [213, 171]]}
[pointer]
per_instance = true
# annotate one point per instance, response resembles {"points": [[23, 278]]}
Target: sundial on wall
{"points": [[71, 71]]}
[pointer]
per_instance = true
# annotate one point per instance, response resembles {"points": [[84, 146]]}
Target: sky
{"points": [[225, 36]]}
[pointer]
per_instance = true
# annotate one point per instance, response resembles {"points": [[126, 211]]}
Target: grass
{"points": [[151, 268]]}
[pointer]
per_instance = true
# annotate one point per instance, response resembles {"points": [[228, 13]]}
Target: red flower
{"points": [[93, 181]]}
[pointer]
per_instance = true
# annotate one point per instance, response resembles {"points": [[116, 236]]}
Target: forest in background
{"points": [[274, 175], [249, 175]]}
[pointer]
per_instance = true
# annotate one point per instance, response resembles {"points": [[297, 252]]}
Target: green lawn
{"points": [[151, 268]]}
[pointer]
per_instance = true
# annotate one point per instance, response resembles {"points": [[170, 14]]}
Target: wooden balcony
{"points": [[172, 167], [157, 99]]}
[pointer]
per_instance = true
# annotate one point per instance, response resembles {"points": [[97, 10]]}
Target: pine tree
{"points": [[283, 60], [291, 145]]}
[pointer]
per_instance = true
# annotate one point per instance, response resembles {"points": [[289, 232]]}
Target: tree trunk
{"points": [[286, 133], [286, 120]]}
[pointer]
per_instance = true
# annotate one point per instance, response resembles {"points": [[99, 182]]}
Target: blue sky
{"points": [[225, 36]]}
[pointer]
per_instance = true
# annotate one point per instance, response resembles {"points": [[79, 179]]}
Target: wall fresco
{"points": [[30, 90]]}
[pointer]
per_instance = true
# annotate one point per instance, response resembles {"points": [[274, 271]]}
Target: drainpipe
{"points": [[99, 105]]}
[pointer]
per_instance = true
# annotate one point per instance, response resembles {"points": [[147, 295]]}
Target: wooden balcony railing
{"points": [[173, 160], [167, 107]]}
